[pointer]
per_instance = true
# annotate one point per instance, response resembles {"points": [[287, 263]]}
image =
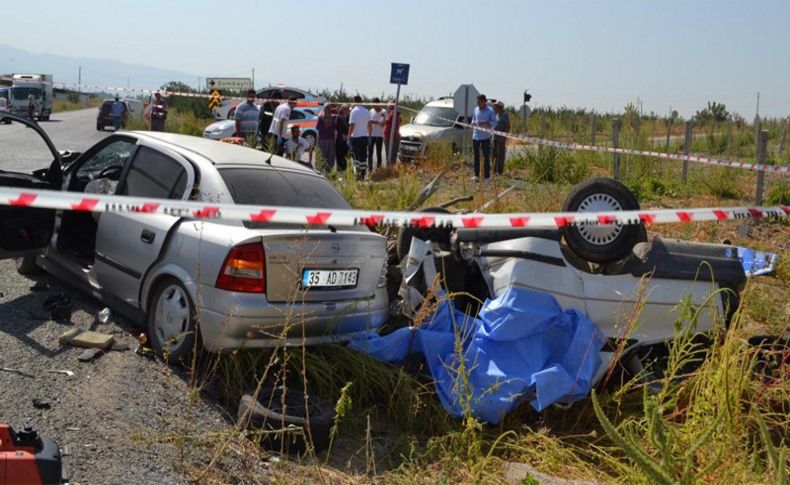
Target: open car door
{"points": [[24, 230]]}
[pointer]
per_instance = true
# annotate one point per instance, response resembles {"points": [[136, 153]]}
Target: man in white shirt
{"points": [[296, 146], [358, 135], [279, 123], [376, 129]]}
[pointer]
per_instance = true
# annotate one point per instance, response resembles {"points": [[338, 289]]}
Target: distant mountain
{"points": [[102, 72]]}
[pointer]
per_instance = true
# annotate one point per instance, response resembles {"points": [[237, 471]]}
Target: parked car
{"points": [[304, 117], [135, 107], [4, 109], [433, 124], [252, 284], [227, 107], [103, 118]]}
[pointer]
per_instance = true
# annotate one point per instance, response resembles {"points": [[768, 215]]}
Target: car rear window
{"points": [[259, 186]]}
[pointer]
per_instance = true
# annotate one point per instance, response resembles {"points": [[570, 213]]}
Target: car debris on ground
{"points": [[87, 338]]}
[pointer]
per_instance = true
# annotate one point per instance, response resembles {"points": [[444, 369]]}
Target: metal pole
{"points": [[669, 131], [79, 80], [782, 138], [616, 144], [466, 121], [592, 129], [394, 126], [687, 148], [762, 150], [729, 137]]}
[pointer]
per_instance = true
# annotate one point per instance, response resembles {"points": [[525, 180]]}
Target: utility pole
{"points": [[79, 80], [253, 78]]}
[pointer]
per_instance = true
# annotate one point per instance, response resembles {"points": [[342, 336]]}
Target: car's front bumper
{"points": [[235, 320]]}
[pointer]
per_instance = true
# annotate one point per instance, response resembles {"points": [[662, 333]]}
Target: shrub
{"points": [[549, 164]]}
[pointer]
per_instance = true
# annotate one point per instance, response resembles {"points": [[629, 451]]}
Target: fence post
{"points": [[729, 137], [592, 129], [783, 138], [616, 144], [543, 124], [669, 131], [687, 148], [762, 150]]}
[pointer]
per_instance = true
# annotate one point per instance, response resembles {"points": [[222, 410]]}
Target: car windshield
{"points": [[21, 94], [435, 116]]}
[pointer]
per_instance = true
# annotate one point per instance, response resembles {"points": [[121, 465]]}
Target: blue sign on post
{"points": [[399, 74]]}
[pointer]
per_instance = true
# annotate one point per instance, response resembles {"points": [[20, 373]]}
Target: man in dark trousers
{"points": [[359, 136], [158, 113]]}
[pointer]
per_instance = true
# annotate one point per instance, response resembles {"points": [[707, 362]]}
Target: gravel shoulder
{"points": [[114, 417]]}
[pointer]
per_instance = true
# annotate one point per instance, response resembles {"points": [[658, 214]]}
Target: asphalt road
{"points": [[21, 149]]}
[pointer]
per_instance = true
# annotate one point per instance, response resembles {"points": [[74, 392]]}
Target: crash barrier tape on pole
{"points": [[73, 201], [779, 169]]}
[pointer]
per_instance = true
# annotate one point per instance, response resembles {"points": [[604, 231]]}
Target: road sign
{"points": [[399, 74], [231, 83], [214, 100], [465, 99]]}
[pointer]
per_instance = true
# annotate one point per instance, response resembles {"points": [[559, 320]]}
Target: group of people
{"points": [[157, 110], [484, 119], [365, 131]]}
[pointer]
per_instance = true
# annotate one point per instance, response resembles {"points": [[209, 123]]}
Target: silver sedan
{"points": [[234, 284]]}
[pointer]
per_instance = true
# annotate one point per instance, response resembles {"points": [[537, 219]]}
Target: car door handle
{"points": [[147, 236]]}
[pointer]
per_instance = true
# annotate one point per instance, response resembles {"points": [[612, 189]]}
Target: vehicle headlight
{"points": [[383, 276]]}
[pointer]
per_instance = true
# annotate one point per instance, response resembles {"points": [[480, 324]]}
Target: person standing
{"points": [[279, 124], [326, 125], [341, 142], [31, 106], [116, 113], [265, 119], [392, 118], [376, 130], [359, 136], [158, 113], [296, 146], [500, 142], [483, 118], [247, 119]]}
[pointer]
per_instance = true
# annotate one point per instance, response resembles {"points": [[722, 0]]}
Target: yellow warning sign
{"points": [[214, 100]]}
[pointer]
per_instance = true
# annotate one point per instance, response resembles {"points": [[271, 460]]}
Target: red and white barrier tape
{"points": [[779, 169], [49, 199]]}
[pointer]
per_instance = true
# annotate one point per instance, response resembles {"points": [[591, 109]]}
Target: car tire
{"points": [[232, 113], [171, 321], [286, 428], [439, 235], [311, 138], [26, 265], [602, 244], [99, 127]]}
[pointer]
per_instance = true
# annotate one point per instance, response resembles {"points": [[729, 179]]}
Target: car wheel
{"points": [[286, 423], [171, 321], [232, 113], [26, 265], [310, 137], [99, 127], [599, 243], [439, 235]]}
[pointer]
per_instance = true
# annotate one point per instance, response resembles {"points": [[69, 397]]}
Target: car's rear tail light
{"points": [[244, 269]]}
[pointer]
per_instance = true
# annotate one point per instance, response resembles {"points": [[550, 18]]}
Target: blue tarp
{"points": [[522, 346]]}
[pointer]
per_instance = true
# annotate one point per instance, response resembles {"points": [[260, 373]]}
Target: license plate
{"points": [[329, 278]]}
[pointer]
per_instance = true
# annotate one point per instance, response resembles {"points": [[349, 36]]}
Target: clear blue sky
{"points": [[594, 54]]}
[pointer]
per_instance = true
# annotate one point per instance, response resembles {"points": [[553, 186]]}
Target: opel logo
{"points": [[335, 248]]}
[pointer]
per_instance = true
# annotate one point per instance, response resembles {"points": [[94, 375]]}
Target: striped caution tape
{"points": [[778, 169], [49, 199]]}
